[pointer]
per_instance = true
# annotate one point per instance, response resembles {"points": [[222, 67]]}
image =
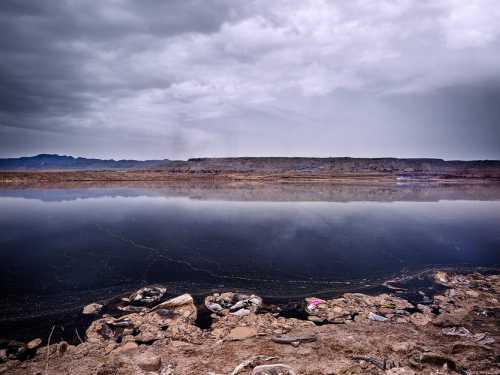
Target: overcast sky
{"points": [[187, 78]]}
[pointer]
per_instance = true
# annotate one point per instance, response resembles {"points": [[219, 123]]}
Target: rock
{"points": [[420, 319], [315, 319], [447, 320], [123, 322], [472, 293], [172, 303], [214, 307], [148, 361], [133, 309], [3, 355], [295, 338], [377, 318], [400, 371], [242, 333], [233, 303], [241, 312], [147, 295], [125, 348], [149, 333], [92, 309], [456, 331], [33, 344], [355, 306], [276, 369], [486, 341], [402, 347], [441, 277], [15, 349]]}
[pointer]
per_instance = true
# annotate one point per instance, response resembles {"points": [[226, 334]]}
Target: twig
{"points": [[78, 335], [48, 350]]}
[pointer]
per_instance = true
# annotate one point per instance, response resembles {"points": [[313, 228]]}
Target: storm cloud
{"points": [[187, 78]]}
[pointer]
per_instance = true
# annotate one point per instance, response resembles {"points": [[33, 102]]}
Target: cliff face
{"points": [[486, 168]]}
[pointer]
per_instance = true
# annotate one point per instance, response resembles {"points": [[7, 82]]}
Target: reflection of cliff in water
{"points": [[418, 192]]}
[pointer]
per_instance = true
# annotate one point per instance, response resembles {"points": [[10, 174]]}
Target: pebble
{"points": [[33, 344], [92, 309], [148, 361]]}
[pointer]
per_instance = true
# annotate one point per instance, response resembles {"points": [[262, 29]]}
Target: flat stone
{"points": [[420, 319], [276, 369], [92, 309], [241, 312], [295, 338], [242, 333], [33, 344], [400, 371], [127, 347], [148, 361]]}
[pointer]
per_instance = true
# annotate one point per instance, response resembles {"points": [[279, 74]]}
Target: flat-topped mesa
{"points": [[345, 165]]}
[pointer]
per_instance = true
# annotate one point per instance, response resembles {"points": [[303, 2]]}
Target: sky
{"points": [[175, 79]]}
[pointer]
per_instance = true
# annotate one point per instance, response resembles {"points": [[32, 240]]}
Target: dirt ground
{"points": [[458, 331]]}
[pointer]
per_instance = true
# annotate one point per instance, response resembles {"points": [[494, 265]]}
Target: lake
{"points": [[61, 248]]}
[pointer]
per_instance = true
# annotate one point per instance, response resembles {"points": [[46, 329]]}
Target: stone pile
{"points": [[173, 318], [221, 304], [357, 306]]}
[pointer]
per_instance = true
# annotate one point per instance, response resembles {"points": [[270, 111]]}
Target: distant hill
{"points": [[63, 162], [281, 166]]}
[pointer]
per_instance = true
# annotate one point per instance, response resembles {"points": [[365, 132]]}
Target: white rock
{"points": [[92, 309]]}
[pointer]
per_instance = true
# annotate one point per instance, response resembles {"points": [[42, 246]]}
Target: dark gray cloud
{"points": [[182, 78]]}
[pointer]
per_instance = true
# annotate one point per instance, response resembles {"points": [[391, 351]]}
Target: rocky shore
{"points": [[454, 331]]}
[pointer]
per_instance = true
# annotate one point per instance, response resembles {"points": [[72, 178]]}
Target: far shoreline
{"points": [[55, 177]]}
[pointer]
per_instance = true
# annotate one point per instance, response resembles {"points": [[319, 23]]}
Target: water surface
{"points": [[62, 248]]}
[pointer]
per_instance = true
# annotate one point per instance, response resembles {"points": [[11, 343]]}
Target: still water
{"points": [[62, 248]]}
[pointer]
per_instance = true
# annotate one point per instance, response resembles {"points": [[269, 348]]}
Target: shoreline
{"points": [[65, 177], [445, 322]]}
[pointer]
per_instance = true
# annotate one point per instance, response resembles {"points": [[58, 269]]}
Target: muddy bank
{"points": [[453, 328], [110, 177]]}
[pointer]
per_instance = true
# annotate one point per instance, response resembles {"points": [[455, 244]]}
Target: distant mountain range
{"points": [[265, 165], [63, 162]]}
